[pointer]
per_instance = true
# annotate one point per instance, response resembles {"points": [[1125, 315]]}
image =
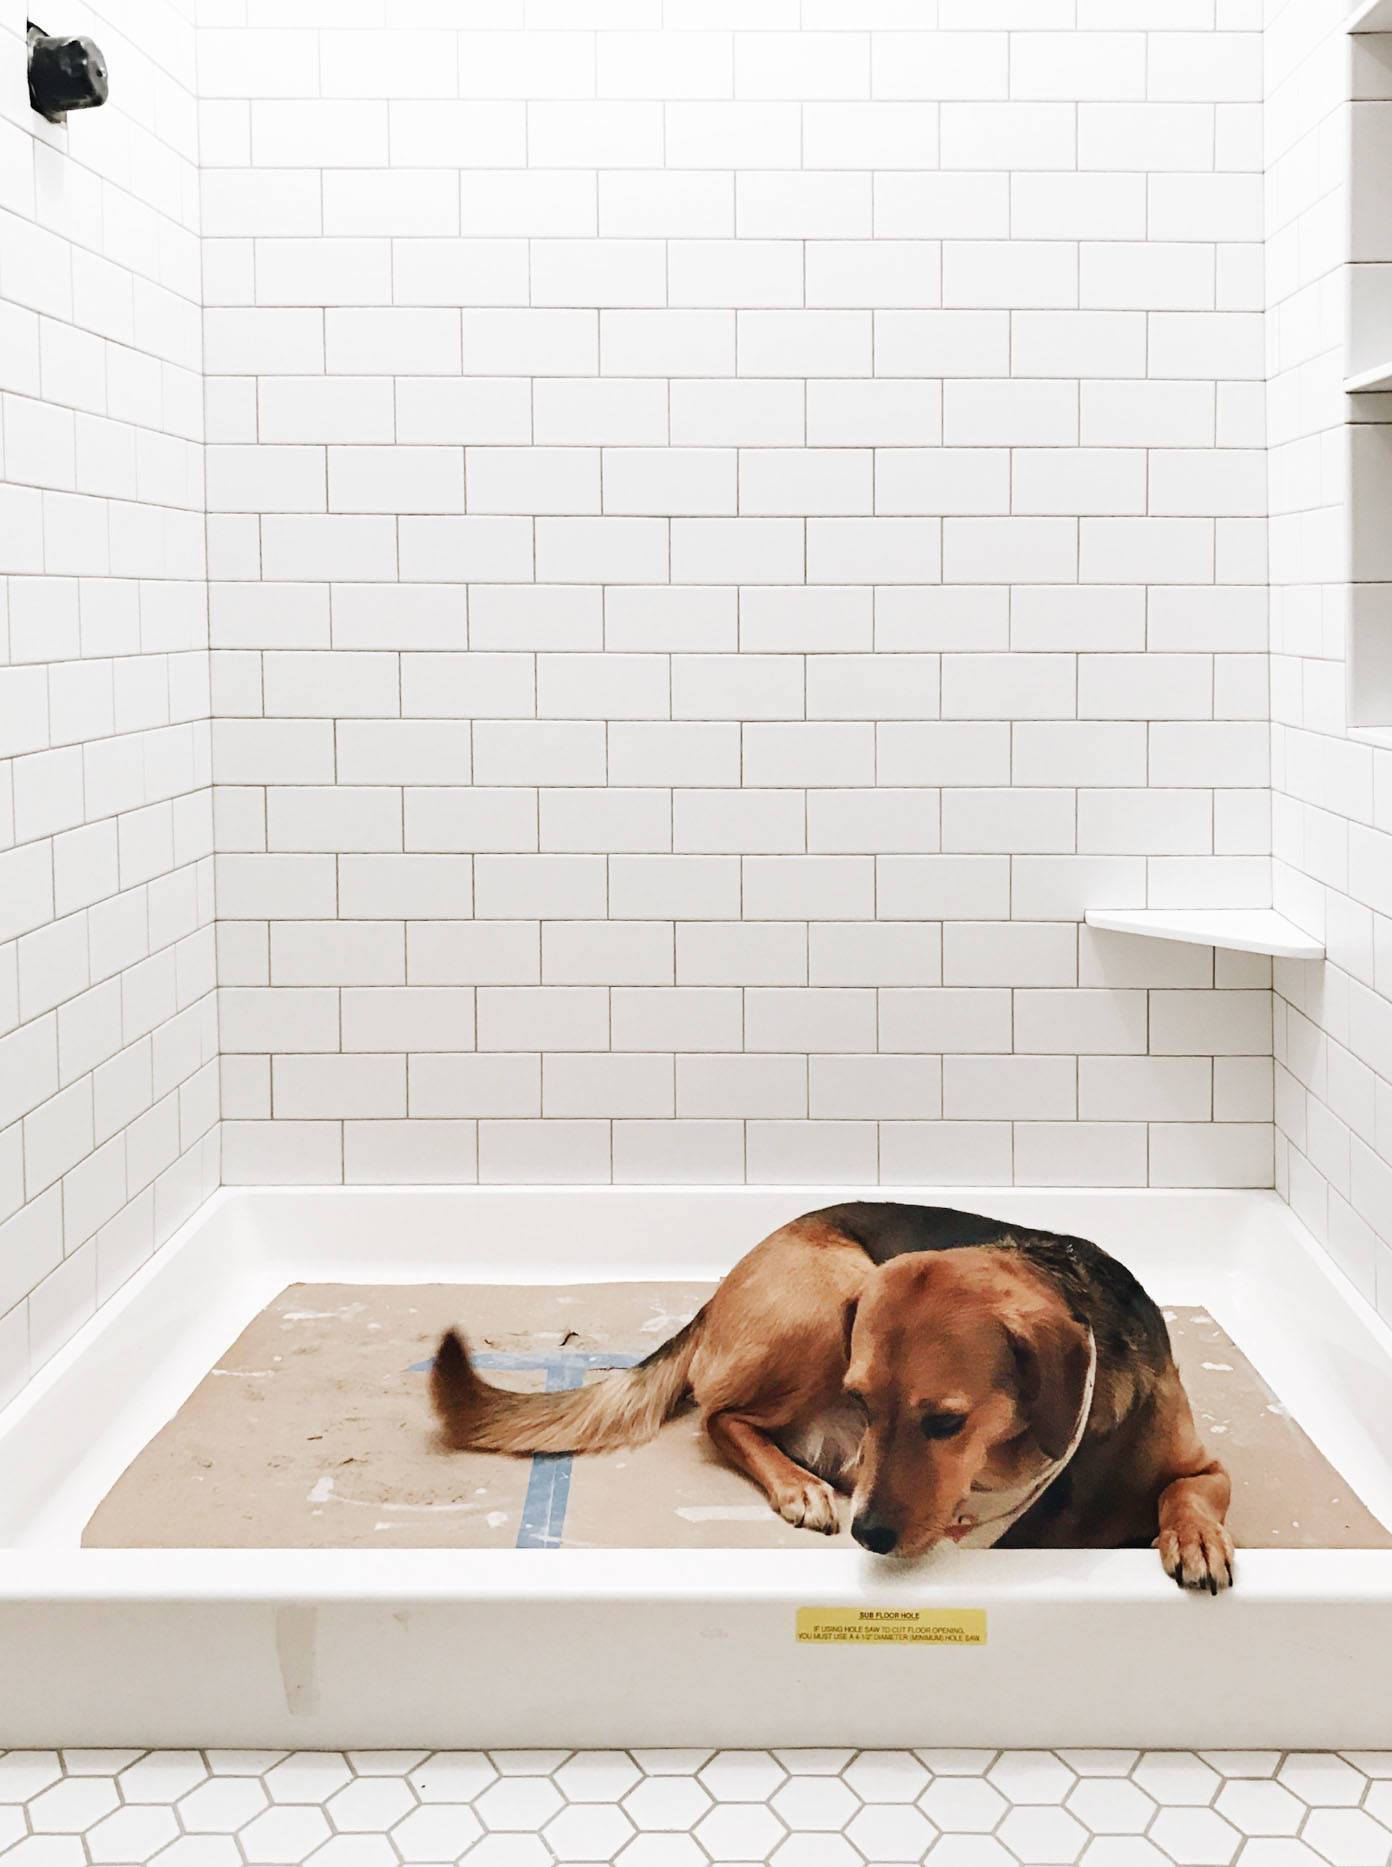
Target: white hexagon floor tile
{"points": [[963, 1804], [524, 1803], [598, 1776], [1109, 1805], [223, 1805], [439, 1831], [72, 1806], [695, 1808], [588, 1831], [282, 1837]]}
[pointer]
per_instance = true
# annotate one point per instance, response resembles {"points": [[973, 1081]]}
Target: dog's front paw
{"points": [[809, 1504], [1197, 1553]]}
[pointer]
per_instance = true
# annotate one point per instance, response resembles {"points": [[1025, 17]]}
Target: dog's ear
{"points": [[848, 1316], [1051, 1356]]}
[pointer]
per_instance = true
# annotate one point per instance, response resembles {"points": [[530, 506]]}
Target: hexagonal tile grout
{"points": [[667, 1809]]}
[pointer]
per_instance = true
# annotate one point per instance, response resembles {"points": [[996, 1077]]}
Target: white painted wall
{"points": [[108, 1075], [729, 527]]}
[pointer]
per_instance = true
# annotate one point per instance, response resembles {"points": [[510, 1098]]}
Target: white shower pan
{"points": [[680, 1647]]}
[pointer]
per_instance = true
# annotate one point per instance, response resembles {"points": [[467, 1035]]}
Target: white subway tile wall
{"points": [[728, 529], [108, 1029], [1332, 804]]}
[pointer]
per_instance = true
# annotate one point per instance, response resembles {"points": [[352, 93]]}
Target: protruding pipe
{"points": [[65, 73]]}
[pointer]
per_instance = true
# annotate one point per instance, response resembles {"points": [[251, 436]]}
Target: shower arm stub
{"points": [[66, 72]]}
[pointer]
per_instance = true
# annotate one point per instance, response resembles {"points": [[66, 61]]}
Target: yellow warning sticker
{"points": [[918, 1627]]}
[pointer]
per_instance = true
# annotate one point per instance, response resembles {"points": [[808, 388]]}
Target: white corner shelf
{"points": [[1372, 16], [1239, 930], [1378, 377]]}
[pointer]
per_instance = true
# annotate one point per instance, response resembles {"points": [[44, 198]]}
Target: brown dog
{"points": [[965, 1379]]}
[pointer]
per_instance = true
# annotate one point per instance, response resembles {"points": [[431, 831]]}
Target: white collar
{"points": [[989, 1530]]}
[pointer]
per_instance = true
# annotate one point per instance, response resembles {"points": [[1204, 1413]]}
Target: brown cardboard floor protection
{"points": [[313, 1432]]}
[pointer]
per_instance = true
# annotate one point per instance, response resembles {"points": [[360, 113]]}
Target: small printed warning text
{"points": [[918, 1627]]}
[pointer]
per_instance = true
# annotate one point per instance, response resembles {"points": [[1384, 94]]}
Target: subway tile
{"points": [[608, 952], [677, 887], [554, 1152], [943, 887], [889, 953], [683, 481], [924, 65], [307, 1088], [1017, 1088], [738, 822], [943, 1153], [411, 1018], [746, 134], [741, 1087], [678, 1152], [612, 1086], [816, 1019], [1158, 1089], [529, 752], [418, 887], [443, 816], [741, 953], [945, 1020], [409, 1153], [590, 412], [796, 1152], [807, 66], [543, 1018], [539, 887], [487, 952], [1211, 1153], [1064, 1153], [612, 819], [1013, 953]]}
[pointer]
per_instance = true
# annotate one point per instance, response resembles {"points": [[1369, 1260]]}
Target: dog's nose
{"points": [[879, 1538]]}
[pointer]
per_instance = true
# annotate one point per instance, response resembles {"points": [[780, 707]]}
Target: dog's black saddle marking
{"points": [[1101, 1292]]}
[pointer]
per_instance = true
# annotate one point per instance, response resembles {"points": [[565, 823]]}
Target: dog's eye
{"points": [[943, 1425]]}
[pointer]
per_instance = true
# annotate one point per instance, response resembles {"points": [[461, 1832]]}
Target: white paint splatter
{"points": [[664, 1322]]}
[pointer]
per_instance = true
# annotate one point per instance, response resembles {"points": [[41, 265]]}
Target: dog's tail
{"points": [[624, 1409]]}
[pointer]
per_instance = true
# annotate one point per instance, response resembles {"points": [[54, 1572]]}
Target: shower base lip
{"points": [[681, 1647]]}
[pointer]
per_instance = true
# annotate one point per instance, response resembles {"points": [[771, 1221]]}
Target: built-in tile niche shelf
{"points": [[1368, 370], [1368, 149], [1372, 16], [1240, 930]]}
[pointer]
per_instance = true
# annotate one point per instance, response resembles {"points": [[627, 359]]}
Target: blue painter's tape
{"points": [[548, 1486], [541, 1362]]}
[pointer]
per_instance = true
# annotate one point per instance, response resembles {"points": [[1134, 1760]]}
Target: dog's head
{"points": [[971, 1372]]}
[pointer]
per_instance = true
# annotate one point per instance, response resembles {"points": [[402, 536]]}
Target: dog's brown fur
{"points": [[837, 1346]]}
